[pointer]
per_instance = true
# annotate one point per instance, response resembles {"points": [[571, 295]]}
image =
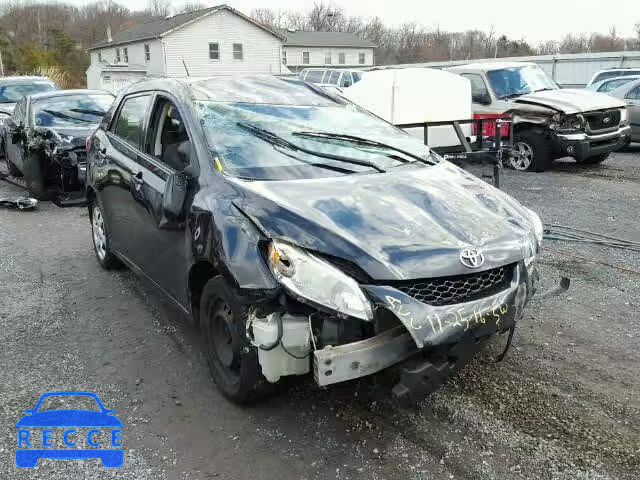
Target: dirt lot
{"points": [[565, 404]]}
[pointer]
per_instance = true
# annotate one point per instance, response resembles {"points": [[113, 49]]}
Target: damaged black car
{"points": [[304, 235], [45, 140]]}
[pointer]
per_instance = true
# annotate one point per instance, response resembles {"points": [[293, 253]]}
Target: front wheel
{"points": [[233, 362], [596, 159], [532, 152], [100, 236]]}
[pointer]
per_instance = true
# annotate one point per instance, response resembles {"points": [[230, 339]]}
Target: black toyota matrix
{"points": [[305, 235]]}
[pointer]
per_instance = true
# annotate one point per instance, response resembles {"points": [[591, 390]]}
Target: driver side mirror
{"points": [[481, 98]]}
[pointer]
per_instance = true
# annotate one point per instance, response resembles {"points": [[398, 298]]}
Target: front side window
{"points": [[305, 58], [147, 52], [341, 58], [479, 90], [14, 93], [634, 94], [126, 55], [117, 55], [361, 58], [168, 135], [69, 111], [214, 51], [238, 53], [513, 82], [327, 58], [129, 125]]}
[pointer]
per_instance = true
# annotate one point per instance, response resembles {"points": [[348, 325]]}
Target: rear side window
{"points": [[314, 76], [479, 89], [129, 125], [333, 79], [346, 80]]}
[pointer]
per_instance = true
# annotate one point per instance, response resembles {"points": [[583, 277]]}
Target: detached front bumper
{"points": [[583, 145], [461, 327]]}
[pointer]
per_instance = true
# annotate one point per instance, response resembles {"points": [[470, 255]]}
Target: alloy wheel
{"points": [[99, 236], [523, 156]]}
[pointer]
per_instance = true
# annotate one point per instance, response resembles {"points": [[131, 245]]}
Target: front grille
{"points": [[603, 120], [461, 288]]}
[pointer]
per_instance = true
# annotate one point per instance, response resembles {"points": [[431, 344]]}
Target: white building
{"points": [[216, 40], [325, 49]]}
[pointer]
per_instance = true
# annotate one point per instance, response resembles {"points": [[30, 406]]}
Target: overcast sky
{"points": [[535, 20]]}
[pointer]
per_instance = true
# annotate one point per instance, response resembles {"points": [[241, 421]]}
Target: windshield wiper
{"points": [[98, 113], [362, 141], [277, 140], [546, 89], [512, 95], [65, 116]]}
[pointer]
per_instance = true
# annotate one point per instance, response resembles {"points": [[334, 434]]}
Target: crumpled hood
{"points": [[571, 101], [65, 137], [404, 224]]}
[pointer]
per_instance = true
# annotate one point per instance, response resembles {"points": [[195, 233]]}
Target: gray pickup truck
{"points": [[548, 122]]}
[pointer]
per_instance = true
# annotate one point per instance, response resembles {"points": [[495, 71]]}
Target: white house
{"points": [[216, 40], [325, 49]]}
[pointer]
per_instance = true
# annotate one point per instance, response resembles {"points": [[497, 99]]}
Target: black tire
{"points": [[596, 159], [539, 147], [233, 362], [101, 248], [34, 177]]}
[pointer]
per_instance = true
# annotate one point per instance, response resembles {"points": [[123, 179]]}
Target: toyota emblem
{"points": [[471, 257]]}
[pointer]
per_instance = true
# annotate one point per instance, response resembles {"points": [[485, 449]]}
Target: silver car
{"points": [[610, 84], [630, 93]]}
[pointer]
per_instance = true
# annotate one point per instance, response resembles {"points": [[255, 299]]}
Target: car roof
{"points": [[488, 66], [23, 79], [62, 93], [252, 89]]}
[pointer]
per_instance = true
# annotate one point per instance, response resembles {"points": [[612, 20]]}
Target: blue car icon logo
{"points": [[101, 427]]}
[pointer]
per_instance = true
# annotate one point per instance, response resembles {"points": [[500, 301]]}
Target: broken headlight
{"points": [[568, 123], [316, 281]]}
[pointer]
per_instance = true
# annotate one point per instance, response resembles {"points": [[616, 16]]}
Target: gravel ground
{"points": [[565, 403]]}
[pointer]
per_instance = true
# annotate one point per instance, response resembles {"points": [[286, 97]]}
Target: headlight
{"points": [[624, 115], [571, 122], [317, 281], [538, 229]]}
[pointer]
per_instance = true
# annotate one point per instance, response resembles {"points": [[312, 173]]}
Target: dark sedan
{"points": [[303, 234], [45, 139]]}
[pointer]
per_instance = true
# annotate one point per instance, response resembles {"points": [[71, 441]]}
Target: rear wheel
{"points": [[100, 235], [596, 159], [233, 362], [532, 152]]}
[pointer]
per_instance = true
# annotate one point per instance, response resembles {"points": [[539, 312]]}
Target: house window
{"points": [[284, 57], [341, 58], [327, 58], [214, 51], [361, 58], [99, 56], [126, 55], [305, 58], [117, 55], [147, 52], [237, 51]]}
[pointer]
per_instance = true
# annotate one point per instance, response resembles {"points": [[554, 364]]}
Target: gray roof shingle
{"points": [[159, 26], [324, 39]]}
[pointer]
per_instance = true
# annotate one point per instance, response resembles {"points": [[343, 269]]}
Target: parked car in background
{"points": [[630, 94], [612, 73], [12, 89], [548, 122], [331, 76], [304, 234], [605, 86], [46, 135]]}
